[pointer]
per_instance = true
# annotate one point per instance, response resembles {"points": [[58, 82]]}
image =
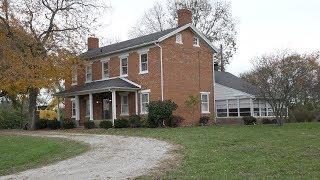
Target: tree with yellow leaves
{"points": [[39, 43]]}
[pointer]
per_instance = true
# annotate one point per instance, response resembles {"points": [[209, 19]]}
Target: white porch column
{"points": [[114, 108], [227, 107], [77, 103], [251, 107], [91, 106], [136, 99], [238, 107]]}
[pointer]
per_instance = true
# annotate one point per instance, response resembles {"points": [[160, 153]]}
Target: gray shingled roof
{"points": [[117, 83], [125, 45], [234, 82]]}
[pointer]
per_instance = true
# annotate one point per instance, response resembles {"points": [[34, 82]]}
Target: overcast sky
{"points": [[263, 26]]}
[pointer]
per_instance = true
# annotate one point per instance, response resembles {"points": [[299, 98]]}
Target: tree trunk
{"points": [[33, 93]]}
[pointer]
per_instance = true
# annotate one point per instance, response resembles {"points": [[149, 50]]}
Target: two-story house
{"points": [[122, 78]]}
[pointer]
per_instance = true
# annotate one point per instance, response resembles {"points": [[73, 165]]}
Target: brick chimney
{"points": [[93, 43], [184, 17]]}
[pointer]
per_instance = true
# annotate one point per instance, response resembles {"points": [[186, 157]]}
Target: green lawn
{"points": [[19, 153], [261, 151]]}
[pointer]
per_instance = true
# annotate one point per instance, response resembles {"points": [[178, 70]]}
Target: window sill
{"points": [[74, 84], [73, 117], [125, 75], [179, 42], [205, 112], [143, 72], [89, 82], [196, 46], [143, 113]]}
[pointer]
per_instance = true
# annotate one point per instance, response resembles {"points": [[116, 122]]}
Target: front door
{"points": [[106, 111]]}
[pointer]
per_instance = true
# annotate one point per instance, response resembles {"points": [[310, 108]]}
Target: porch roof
{"points": [[100, 86]]}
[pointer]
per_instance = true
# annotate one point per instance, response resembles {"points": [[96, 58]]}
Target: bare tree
{"points": [[213, 18], [44, 35], [283, 79]]}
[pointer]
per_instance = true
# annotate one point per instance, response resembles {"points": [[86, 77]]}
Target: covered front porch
{"points": [[102, 100]]}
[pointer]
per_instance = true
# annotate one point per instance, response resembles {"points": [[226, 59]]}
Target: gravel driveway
{"points": [[110, 157]]}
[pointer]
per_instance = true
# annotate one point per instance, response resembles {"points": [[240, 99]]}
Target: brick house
{"points": [[121, 79]]}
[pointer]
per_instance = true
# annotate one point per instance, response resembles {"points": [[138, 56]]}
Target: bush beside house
{"points": [[249, 120], [12, 119], [160, 113], [105, 124]]}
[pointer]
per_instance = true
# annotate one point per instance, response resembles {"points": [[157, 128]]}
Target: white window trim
{"points": [[87, 73], [76, 75], [102, 69], [121, 97], [73, 101], [181, 41], [198, 41], [208, 98], [144, 92], [123, 57], [140, 67]]}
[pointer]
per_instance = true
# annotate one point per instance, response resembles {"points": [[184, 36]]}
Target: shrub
{"points": [[144, 121], [11, 119], [176, 121], [121, 123], [160, 112], [204, 120], [53, 124], [249, 120], [105, 124], [268, 121], [42, 124], [135, 121], [68, 123], [89, 124]]}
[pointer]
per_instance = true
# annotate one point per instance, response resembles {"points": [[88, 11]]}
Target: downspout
{"points": [[161, 70]]}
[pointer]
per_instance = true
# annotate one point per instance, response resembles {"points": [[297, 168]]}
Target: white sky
{"points": [[263, 26]]}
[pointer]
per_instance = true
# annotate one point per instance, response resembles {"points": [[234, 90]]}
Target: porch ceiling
{"points": [[120, 84]]}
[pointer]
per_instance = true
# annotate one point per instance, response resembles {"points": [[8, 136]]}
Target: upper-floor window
{"points": [[205, 102], [196, 41], [143, 63], [89, 73], [124, 66], [179, 38], [124, 105], [144, 101], [74, 78], [105, 69]]}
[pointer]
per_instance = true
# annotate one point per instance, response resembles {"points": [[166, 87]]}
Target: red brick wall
{"points": [[187, 71]]}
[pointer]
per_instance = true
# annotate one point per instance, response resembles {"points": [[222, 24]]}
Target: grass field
{"points": [[19, 153], [261, 151]]}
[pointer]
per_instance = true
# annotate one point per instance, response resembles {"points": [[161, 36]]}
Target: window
{"points": [[144, 101], [89, 73], [179, 38], [105, 69], [196, 41], [205, 102], [124, 66], [124, 105], [143, 63], [233, 107], [245, 107], [263, 109], [221, 108], [256, 109], [73, 108], [87, 108], [74, 79]]}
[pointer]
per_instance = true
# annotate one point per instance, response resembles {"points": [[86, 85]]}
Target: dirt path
{"points": [[110, 157]]}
